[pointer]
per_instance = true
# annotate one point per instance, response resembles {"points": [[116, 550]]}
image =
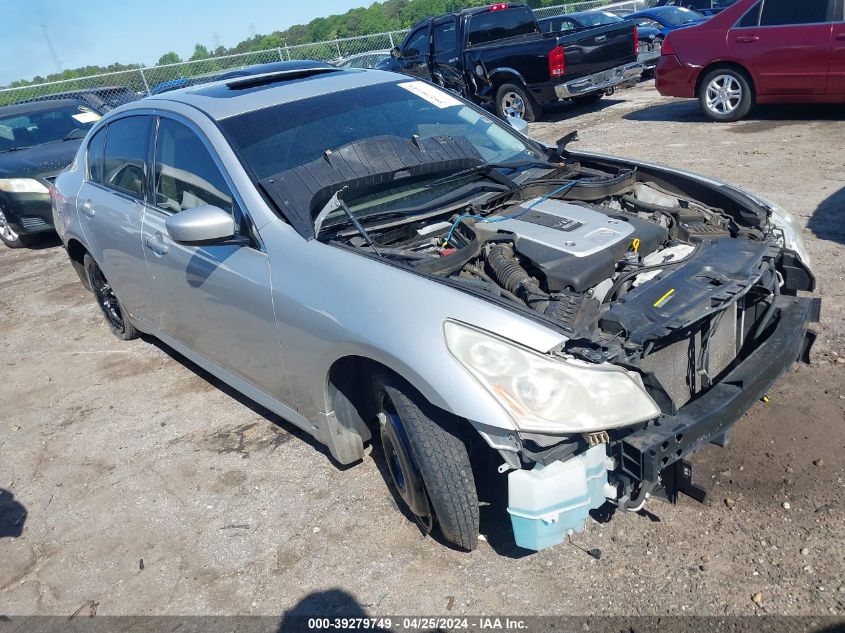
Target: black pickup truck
{"points": [[498, 54]]}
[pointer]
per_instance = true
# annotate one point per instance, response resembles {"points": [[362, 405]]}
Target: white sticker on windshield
{"points": [[86, 117], [434, 96]]}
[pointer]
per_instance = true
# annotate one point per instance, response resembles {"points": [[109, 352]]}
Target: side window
{"points": [[445, 37], [185, 174], [751, 17], [789, 12], [417, 43], [96, 152], [125, 156]]}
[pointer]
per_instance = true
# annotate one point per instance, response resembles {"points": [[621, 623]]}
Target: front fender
{"points": [[332, 303]]}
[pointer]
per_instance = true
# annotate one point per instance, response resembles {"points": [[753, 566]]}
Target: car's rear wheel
{"points": [[428, 462], [725, 95], [116, 317], [8, 235], [513, 100]]}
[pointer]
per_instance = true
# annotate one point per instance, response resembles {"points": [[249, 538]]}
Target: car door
{"points": [[446, 66], [215, 299], [110, 204], [414, 55], [836, 69], [786, 46]]}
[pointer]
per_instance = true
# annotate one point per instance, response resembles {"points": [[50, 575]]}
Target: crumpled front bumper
{"points": [[642, 455], [599, 81]]}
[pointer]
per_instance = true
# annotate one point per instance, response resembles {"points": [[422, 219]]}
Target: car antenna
{"points": [[335, 203]]}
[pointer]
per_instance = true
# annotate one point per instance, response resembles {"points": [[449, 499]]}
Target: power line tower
{"points": [[53, 54]]}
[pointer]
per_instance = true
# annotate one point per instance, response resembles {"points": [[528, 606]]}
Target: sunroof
{"points": [[242, 83]]}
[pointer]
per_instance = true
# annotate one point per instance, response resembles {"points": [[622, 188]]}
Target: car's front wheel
{"points": [[113, 311], [428, 462], [8, 235], [725, 95]]}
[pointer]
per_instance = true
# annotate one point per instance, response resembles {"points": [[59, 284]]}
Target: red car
{"points": [[758, 51]]}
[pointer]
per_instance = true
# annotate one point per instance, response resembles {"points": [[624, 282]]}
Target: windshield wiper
{"points": [[12, 149], [490, 169]]}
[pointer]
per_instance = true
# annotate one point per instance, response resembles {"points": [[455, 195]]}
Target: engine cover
{"points": [[574, 246]]}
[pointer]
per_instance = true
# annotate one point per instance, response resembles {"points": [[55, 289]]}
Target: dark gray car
{"points": [[377, 260], [37, 141]]}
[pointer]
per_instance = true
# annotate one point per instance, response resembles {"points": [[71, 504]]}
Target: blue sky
{"points": [[101, 32]]}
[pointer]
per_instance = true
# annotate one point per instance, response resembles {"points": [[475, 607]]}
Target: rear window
{"points": [[786, 12], [502, 24]]}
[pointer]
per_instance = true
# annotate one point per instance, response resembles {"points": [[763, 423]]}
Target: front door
{"points": [[414, 54], [786, 46], [446, 67], [214, 298], [110, 204]]}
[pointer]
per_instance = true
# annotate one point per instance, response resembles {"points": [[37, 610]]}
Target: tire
{"points": [[515, 101], [725, 95], [9, 236], [422, 442], [593, 97], [113, 311]]}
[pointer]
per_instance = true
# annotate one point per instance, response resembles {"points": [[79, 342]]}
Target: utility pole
{"points": [[53, 54]]}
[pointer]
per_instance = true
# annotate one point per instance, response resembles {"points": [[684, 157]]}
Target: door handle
{"points": [[840, 36], [156, 245], [454, 60], [87, 209], [747, 39]]}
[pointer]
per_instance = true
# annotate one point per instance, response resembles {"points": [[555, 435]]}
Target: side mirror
{"points": [[395, 53], [520, 125], [203, 223]]}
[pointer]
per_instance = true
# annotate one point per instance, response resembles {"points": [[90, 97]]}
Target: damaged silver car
{"points": [[378, 260]]}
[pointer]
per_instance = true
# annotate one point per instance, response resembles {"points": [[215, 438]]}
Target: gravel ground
{"points": [[149, 488]]}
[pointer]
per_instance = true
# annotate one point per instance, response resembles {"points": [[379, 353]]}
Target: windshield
{"points": [[46, 126], [598, 18], [372, 123], [281, 137], [677, 16]]}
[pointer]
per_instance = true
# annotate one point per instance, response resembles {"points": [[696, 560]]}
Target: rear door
{"points": [[414, 54], [446, 68], [111, 206], [214, 298], [786, 45], [836, 70]]}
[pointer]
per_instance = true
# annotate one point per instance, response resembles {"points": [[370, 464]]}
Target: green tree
{"points": [[200, 52], [169, 58]]}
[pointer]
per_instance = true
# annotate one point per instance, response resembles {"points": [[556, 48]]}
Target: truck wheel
{"points": [[116, 317], [513, 100], [7, 235], [428, 462], [725, 95]]}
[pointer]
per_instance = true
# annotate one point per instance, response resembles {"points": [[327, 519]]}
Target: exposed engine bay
{"points": [[632, 270]]}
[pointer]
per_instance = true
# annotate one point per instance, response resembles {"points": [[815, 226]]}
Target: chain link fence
{"points": [[109, 90]]}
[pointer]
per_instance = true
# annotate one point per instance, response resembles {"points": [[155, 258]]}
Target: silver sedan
{"points": [[378, 260]]}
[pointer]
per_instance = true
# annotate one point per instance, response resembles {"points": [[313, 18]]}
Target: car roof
{"points": [[223, 99], [39, 106]]}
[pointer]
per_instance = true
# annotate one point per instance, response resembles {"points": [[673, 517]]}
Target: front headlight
{"points": [[22, 185], [792, 237], [550, 395]]}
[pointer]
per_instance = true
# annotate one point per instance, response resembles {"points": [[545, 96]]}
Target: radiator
{"points": [[679, 366]]}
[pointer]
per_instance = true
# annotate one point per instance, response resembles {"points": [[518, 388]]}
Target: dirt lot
{"points": [[123, 452]]}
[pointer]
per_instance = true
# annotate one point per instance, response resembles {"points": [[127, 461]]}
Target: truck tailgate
{"points": [[596, 49]]}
